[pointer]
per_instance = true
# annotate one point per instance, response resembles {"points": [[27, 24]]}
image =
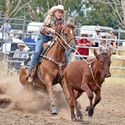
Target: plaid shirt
{"points": [[50, 22]]}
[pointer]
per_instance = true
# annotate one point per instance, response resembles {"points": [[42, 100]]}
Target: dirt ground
{"points": [[21, 107]]}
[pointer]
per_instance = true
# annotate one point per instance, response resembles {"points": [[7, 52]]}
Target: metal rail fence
{"points": [[5, 56]]}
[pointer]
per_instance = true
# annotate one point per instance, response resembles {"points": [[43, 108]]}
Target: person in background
{"points": [[113, 41], [52, 22], [29, 40], [104, 45], [5, 29], [19, 36], [20, 54], [83, 51], [96, 38]]}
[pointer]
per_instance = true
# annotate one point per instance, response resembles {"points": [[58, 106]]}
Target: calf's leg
{"points": [[77, 95], [90, 94], [97, 97], [73, 105], [96, 101], [65, 90]]}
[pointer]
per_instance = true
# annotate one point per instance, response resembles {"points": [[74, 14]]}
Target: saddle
{"points": [[35, 69]]}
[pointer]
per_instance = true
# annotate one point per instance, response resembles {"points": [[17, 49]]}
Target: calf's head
{"points": [[103, 63]]}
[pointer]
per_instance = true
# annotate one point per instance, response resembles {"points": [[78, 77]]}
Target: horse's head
{"points": [[103, 62], [67, 33]]}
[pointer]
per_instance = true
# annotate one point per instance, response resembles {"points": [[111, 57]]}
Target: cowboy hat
{"points": [[21, 44], [58, 7], [111, 32], [97, 29], [84, 34]]}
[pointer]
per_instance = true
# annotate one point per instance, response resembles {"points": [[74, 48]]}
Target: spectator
{"points": [[113, 41], [83, 51], [20, 54], [19, 36], [5, 29], [97, 38], [28, 40], [104, 46]]}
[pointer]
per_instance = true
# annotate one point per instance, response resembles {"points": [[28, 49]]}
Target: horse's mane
{"points": [[70, 26], [66, 25]]}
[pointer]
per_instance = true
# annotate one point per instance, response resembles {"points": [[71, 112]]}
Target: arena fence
{"points": [[118, 60]]}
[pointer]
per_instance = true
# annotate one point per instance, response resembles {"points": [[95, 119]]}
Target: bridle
{"points": [[60, 38], [64, 39]]}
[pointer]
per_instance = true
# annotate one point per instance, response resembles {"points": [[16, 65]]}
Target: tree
{"points": [[118, 9], [99, 13], [13, 8]]}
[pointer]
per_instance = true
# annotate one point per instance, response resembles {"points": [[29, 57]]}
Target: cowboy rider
{"points": [[51, 23]]}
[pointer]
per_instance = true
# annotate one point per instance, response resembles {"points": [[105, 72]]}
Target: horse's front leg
{"points": [[53, 109]]}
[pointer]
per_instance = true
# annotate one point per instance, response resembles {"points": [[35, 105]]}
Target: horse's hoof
{"points": [[74, 119], [4, 102], [53, 110], [90, 112], [87, 108], [79, 116]]}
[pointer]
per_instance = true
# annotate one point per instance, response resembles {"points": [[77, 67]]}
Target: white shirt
{"points": [[97, 38], [20, 54], [5, 28]]}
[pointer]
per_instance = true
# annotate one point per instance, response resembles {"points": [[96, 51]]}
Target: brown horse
{"points": [[86, 76], [50, 70]]}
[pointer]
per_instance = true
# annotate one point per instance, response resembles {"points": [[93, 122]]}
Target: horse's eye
{"points": [[66, 34]]}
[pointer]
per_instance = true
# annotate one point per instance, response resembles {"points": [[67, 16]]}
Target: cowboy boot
{"points": [[29, 78]]}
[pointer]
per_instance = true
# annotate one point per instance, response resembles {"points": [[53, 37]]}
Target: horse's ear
{"points": [[96, 54]]}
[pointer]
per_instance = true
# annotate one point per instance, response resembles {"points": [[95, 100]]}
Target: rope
{"points": [[89, 63], [94, 77]]}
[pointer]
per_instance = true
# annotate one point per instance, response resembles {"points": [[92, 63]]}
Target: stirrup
{"points": [[29, 78]]}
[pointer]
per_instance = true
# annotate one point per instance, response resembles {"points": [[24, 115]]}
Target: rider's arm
{"points": [[48, 24]]}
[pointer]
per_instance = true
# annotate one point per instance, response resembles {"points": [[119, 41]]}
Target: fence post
{"points": [[24, 23], [118, 44], [2, 41]]}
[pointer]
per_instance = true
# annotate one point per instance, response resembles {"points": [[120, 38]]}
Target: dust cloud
{"points": [[13, 96]]}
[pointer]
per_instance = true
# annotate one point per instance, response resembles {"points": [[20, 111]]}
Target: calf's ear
{"points": [[96, 54], [109, 54]]}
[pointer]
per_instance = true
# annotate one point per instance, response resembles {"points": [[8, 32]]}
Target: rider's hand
{"points": [[52, 31], [48, 43]]}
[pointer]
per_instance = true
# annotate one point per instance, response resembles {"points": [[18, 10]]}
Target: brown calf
{"points": [[81, 76]]}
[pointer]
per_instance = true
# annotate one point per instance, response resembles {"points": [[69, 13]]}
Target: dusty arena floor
{"points": [[32, 108]]}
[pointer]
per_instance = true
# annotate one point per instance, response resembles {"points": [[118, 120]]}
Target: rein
{"points": [[89, 63], [59, 64], [90, 66]]}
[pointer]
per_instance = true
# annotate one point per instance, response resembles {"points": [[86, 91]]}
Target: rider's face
{"points": [[58, 14]]}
